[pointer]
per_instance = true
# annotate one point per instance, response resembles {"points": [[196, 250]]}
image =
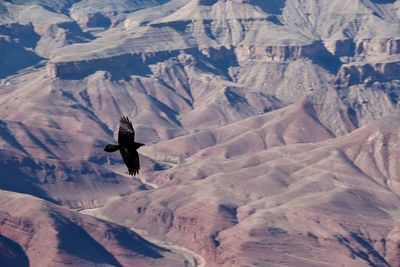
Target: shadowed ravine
{"points": [[191, 258]]}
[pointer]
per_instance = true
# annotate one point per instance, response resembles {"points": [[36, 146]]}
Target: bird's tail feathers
{"points": [[111, 148]]}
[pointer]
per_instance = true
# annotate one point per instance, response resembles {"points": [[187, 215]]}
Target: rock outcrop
{"points": [[367, 73], [378, 47]]}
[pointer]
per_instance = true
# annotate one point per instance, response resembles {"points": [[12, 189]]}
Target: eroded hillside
{"points": [[271, 127]]}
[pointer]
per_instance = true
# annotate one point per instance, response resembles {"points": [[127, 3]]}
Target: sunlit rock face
{"points": [[270, 127]]}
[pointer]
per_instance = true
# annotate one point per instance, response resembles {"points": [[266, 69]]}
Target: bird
{"points": [[127, 146]]}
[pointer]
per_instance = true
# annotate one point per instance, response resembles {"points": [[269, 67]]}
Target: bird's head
{"points": [[138, 145]]}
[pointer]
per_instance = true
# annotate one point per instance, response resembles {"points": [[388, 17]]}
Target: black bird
{"points": [[127, 146]]}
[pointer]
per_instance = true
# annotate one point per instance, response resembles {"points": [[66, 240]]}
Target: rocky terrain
{"points": [[37, 233], [271, 132]]}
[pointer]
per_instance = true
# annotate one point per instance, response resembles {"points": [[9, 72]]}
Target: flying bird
{"points": [[127, 146]]}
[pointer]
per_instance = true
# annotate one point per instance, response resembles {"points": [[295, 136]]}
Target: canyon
{"points": [[271, 129]]}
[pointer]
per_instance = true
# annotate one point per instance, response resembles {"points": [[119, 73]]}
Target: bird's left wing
{"points": [[126, 134]]}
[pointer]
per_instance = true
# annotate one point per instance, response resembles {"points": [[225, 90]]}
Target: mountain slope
{"points": [[333, 202], [45, 234]]}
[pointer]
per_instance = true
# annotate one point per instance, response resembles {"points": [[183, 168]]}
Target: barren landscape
{"points": [[272, 132]]}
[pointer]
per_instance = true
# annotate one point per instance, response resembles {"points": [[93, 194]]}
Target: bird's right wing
{"points": [[131, 159], [126, 134]]}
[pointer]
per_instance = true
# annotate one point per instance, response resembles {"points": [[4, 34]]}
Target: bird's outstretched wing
{"points": [[131, 159], [126, 134]]}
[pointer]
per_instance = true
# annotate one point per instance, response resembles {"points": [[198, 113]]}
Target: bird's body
{"points": [[127, 146]]}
